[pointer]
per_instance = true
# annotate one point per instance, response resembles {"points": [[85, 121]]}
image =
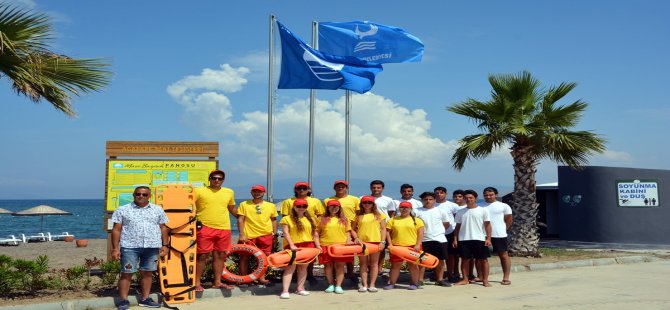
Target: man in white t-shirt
{"points": [[441, 202], [386, 206], [501, 221], [434, 242], [406, 193], [473, 238]]}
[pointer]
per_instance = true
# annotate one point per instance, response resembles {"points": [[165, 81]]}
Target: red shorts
{"points": [[212, 239], [263, 243], [398, 259], [325, 258]]}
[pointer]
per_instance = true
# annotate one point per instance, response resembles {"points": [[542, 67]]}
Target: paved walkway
{"points": [[621, 286], [637, 248]]}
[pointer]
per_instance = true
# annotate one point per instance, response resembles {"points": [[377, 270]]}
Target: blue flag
{"points": [[369, 41], [302, 67]]}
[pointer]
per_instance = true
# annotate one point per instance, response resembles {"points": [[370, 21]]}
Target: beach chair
{"points": [[40, 237], [61, 237], [10, 241]]}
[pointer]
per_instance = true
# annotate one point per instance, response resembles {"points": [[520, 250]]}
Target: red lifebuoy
{"points": [[256, 274]]}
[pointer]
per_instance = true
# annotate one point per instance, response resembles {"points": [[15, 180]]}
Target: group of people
{"points": [[451, 231]]}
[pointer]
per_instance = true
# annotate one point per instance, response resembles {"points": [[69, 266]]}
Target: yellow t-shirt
{"points": [[369, 228], [350, 204], [297, 236], [314, 206], [403, 231], [333, 232], [212, 206], [257, 218]]}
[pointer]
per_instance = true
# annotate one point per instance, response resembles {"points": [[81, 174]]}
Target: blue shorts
{"points": [[146, 258]]}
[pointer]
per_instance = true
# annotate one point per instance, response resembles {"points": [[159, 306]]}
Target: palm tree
{"points": [[34, 70], [523, 116]]}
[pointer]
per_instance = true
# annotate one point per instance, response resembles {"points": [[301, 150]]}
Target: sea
{"points": [[86, 221]]}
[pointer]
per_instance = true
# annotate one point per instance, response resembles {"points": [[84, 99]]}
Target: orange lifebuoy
{"points": [[256, 274], [350, 250], [420, 258], [288, 257]]}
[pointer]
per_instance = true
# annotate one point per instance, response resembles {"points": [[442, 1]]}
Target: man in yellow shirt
{"points": [[214, 204], [350, 205], [257, 224]]}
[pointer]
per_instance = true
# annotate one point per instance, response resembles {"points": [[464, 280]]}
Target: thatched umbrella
{"points": [[41, 211]]}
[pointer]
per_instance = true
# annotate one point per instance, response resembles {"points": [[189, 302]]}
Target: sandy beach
{"points": [[61, 254]]}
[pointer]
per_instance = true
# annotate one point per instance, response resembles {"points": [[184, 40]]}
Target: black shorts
{"points": [[435, 248], [473, 249], [499, 245], [450, 244]]}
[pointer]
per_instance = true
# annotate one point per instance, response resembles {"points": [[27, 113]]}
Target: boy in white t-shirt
{"points": [[501, 221], [473, 237], [434, 242]]}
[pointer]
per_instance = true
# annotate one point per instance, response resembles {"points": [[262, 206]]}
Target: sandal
{"points": [[372, 290], [506, 282], [199, 288], [224, 286]]}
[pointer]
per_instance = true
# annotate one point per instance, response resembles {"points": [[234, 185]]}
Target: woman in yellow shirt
{"points": [[407, 231], [299, 231], [370, 227], [334, 228]]}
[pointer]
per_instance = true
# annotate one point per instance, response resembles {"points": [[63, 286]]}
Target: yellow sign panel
{"points": [[124, 175]]}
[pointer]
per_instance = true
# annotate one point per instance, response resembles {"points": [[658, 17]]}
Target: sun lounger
{"points": [[10, 241], [61, 237], [40, 237]]}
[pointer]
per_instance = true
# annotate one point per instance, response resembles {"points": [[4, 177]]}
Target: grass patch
{"points": [[564, 252]]}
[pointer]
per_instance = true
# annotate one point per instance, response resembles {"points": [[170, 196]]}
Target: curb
{"points": [[110, 302]]}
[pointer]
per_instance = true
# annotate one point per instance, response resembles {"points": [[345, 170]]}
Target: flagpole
{"points": [[347, 134], [312, 103], [270, 103]]}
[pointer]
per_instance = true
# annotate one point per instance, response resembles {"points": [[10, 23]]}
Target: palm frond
{"points": [[573, 147]]}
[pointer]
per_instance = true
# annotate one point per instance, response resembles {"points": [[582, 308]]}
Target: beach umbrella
{"points": [[4, 211], [41, 211]]}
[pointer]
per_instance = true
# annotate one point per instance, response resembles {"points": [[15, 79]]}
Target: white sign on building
{"points": [[637, 193]]}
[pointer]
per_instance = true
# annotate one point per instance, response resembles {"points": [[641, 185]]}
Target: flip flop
{"points": [[199, 288], [222, 285], [506, 282]]}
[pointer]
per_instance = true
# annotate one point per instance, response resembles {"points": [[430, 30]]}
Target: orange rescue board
{"points": [[287, 257], [415, 257], [176, 270], [349, 250]]}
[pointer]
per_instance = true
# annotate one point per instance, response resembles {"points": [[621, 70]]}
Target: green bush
{"points": [[31, 274], [76, 278], [8, 278], [110, 272]]}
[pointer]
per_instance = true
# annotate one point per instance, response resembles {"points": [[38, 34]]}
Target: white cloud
{"points": [[615, 156], [384, 133]]}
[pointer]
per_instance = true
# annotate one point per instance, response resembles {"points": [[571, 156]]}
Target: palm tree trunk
{"points": [[524, 237]]}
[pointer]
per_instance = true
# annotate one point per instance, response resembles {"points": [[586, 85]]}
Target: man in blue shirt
{"points": [[139, 236]]}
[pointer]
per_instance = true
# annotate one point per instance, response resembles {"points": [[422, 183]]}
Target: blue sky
{"points": [[198, 72]]}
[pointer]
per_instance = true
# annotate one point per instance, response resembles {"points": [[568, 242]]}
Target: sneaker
{"points": [[420, 285], [284, 296], [149, 303], [444, 283], [363, 289], [339, 290], [389, 287], [123, 305], [412, 287], [330, 289], [306, 293], [372, 290], [312, 280]]}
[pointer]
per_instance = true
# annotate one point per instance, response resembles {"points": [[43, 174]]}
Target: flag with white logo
{"points": [[302, 67], [372, 42]]}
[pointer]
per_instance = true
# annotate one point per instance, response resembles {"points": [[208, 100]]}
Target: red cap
{"points": [[341, 182], [298, 184], [300, 202], [258, 188], [368, 199], [405, 204], [333, 203], [217, 172]]}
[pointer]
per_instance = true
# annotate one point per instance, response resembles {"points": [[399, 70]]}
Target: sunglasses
{"points": [[301, 207], [216, 178], [258, 209], [141, 194]]}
